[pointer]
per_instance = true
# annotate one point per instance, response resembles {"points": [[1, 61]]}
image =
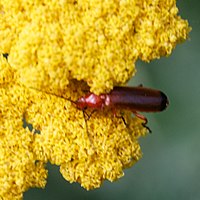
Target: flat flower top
{"points": [[51, 42], [58, 50], [87, 151]]}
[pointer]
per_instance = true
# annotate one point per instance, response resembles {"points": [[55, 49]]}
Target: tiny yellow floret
{"points": [[51, 53]]}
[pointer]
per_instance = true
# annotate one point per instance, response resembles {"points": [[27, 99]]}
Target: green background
{"points": [[170, 167]]}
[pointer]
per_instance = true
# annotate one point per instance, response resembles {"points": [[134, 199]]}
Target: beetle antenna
{"points": [[85, 114], [72, 101]]}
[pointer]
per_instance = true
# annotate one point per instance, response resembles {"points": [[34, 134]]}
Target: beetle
{"points": [[135, 99]]}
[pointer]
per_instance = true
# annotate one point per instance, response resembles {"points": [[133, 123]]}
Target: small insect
{"points": [[135, 99]]}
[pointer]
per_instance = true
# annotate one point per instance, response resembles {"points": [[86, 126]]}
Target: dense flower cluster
{"points": [[59, 48]]}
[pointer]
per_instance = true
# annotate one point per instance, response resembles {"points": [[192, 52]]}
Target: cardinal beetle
{"points": [[135, 99]]}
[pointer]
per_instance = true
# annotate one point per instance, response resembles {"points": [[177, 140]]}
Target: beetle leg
{"points": [[121, 116], [88, 115], [141, 116], [144, 124]]}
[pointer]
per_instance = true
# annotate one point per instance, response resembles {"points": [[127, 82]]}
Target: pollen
{"points": [[58, 50]]}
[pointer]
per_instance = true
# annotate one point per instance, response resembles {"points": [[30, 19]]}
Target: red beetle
{"points": [[135, 99]]}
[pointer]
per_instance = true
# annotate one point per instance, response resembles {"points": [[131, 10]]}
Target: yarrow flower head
{"points": [[57, 50]]}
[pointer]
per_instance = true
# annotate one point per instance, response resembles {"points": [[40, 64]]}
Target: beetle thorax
{"points": [[94, 101], [106, 100]]}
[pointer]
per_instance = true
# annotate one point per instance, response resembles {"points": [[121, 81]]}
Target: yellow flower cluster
{"points": [[51, 42], [59, 48], [85, 154]]}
